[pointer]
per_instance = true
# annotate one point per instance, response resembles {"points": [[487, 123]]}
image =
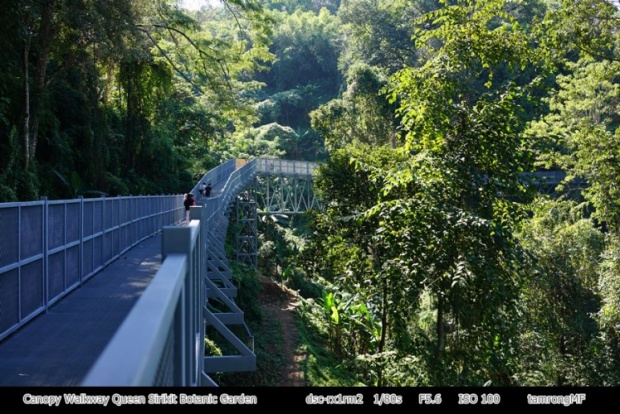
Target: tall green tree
{"points": [[93, 92], [305, 71], [579, 135], [379, 32], [350, 252], [362, 114], [579, 27], [559, 344], [463, 127], [442, 224]]}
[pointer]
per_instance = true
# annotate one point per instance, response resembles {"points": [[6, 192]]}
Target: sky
{"points": [[197, 4]]}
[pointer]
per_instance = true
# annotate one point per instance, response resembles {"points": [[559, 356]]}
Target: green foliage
{"points": [[278, 245], [7, 194], [211, 348], [379, 32], [577, 261], [352, 329], [129, 96], [296, 279], [580, 134], [251, 142], [10, 168], [307, 46], [115, 185], [26, 185], [322, 366], [433, 241], [560, 297], [305, 72], [584, 27], [246, 280], [607, 344], [609, 288], [362, 114], [436, 217], [340, 351]]}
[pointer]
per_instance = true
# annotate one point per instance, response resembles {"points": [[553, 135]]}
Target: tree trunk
{"points": [[384, 328], [441, 334], [46, 36]]}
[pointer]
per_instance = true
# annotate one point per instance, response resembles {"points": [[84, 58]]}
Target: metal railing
{"points": [[216, 176], [161, 342], [267, 166], [49, 248]]}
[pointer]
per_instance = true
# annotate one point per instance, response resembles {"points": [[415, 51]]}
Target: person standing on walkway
{"points": [[188, 202], [208, 190], [201, 190]]}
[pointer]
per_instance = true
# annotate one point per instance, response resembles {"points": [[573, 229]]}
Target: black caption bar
{"points": [[421, 399]]}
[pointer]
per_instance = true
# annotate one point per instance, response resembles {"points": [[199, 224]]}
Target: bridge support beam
{"points": [[247, 229], [286, 194]]}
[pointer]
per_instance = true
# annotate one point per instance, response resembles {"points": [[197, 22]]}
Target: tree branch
{"points": [[174, 66], [195, 46]]}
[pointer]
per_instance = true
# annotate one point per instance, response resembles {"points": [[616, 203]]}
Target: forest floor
{"points": [[278, 303]]}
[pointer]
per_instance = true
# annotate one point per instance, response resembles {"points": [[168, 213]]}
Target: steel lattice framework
{"points": [[247, 234], [285, 187], [277, 187], [285, 194]]}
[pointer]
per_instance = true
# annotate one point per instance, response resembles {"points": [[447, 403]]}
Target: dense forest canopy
{"points": [[435, 260]]}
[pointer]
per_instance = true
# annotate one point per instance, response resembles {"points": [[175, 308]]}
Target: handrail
{"points": [[216, 176], [143, 335], [161, 342], [174, 343], [274, 166]]}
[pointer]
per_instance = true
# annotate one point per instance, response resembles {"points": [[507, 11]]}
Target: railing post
{"points": [[102, 230], [81, 239], [45, 270]]}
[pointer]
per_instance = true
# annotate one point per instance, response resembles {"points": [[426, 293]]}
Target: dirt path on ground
{"points": [[279, 303]]}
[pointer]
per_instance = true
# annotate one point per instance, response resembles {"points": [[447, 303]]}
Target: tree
{"points": [[362, 114], [581, 131], [350, 253], [438, 239], [579, 135], [379, 32], [100, 92], [560, 297], [307, 46], [572, 28]]}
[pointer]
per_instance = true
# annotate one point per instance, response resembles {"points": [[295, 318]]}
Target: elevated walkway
{"points": [[60, 346], [119, 291]]}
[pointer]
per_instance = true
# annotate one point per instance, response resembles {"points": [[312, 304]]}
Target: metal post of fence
{"points": [[201, 293], [81, 238], [45, 270]]}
